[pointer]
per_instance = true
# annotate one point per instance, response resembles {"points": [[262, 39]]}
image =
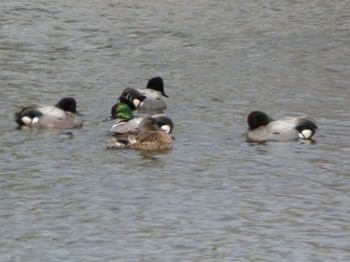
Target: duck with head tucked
{"points": [[126, 122], [149, 99], [61, 116], [262, 128], [148, 133]]}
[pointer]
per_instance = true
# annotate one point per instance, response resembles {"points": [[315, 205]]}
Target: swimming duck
{"points": [[149, 99], [262, 127], [61, 116], [149, 138], [127, 123]]}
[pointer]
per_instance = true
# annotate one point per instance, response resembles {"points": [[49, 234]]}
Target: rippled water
{"points": [[213, 196]]}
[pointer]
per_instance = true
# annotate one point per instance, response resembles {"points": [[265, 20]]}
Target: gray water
{"points": [[213, 197]]}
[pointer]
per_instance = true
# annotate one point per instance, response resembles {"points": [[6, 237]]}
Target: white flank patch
{"points": [[307, 133], [166, 128], [27, 120], [136, 102], [35, 120]]}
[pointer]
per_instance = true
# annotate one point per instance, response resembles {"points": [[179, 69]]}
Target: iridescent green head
{"points": [[257, 119], [121, 111]]}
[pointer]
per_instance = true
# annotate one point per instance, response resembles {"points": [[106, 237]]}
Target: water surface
{"points": [[64, 196]]}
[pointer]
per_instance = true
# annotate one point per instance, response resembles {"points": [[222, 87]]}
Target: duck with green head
{"points": [[262, 128], [150, 137], [126, 122]]}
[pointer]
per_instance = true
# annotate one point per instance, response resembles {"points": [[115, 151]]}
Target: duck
{"points": [[63, 115], [263, 127], [150, 137], [126, 122], [149, 99]]}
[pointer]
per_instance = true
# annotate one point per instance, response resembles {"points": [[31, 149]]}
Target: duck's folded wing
{"points": [[53, 112], [125, 126], [291, 128], [35, 111], [154, 102], [282, 125]]}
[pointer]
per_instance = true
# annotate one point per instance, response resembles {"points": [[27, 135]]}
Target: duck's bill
{"points": [[108, 119], [78, 113], [164, 94]]}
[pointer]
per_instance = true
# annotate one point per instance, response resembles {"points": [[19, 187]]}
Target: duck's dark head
{"points": [[121, 111], [257, 119], [156, 83], [68, 104]]}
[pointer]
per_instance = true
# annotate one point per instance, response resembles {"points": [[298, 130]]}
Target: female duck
{"points": [[149, 138], [61, 116], [126, 122], [149, 99], [263, 128]]}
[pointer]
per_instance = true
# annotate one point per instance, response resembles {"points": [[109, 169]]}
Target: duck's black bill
{"points": [[78, 113], [108, 119]]}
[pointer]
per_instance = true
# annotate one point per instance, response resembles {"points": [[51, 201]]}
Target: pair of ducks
{"points": [[149, 133], [152, 133]]}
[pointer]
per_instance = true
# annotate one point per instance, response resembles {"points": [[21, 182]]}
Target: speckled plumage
{"points": [[147, 141], [149, 138]]}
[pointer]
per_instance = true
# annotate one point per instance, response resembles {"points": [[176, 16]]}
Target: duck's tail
{"points": [[306, 127], [18, 118], [26, 115], [132, 97]]}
